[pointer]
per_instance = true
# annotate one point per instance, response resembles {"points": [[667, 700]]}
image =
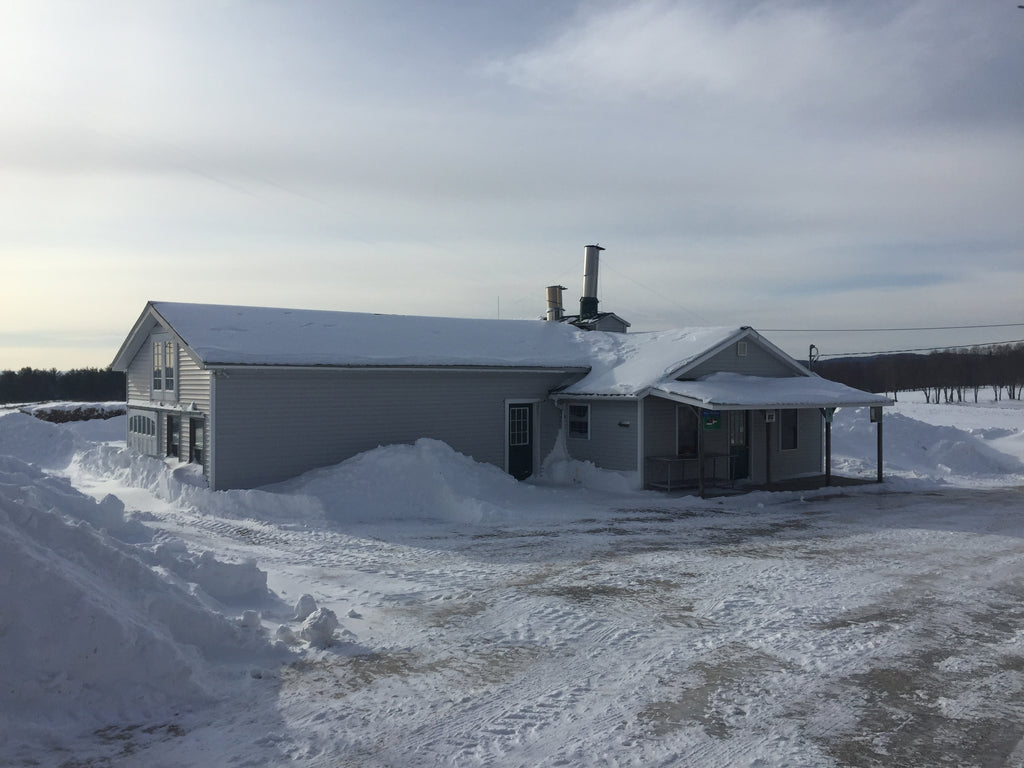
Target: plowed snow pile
{"points": [[91, 633], [917, 449]]}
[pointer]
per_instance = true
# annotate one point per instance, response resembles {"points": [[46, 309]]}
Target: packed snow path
{"points": [[863, 629]]}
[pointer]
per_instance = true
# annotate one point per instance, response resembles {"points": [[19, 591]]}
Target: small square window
{"points": [[579, 421]]}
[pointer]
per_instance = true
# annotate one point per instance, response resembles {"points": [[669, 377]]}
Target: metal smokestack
{"points": [[588, 302], [555, 302]]}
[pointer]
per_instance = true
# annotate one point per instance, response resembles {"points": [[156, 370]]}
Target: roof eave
{"points": [[767, 405]]}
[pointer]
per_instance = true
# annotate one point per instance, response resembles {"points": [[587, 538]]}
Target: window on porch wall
{"points": [[789, 429], [579, 421]]}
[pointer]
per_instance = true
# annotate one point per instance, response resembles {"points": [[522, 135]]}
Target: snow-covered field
{"points": [[145, 621]]}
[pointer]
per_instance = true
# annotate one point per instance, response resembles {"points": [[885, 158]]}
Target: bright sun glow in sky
{"points": [[776, 164]]}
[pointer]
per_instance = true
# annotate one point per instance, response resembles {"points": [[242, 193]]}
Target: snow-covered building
{"points": [[255, 395]]}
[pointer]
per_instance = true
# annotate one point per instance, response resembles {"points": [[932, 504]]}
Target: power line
{"points": [[877, 330], [657, 293], [924, 349]]}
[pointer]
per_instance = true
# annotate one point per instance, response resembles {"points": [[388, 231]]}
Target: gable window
{"points": [[165, 360], [788, 429], [579, 421]]}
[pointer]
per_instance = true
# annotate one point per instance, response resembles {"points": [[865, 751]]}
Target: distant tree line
{"points": [[30, 385], [943, 376]]}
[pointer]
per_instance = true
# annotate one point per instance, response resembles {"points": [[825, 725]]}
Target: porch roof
{"points": [[734, 391]]}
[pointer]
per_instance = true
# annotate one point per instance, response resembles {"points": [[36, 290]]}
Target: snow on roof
{"points": [[734, 390], [626, 364], [234, 335], [619, 363]]}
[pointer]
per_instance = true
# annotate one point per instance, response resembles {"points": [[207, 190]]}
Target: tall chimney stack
{"points": [[588, 302], [555, 302]]}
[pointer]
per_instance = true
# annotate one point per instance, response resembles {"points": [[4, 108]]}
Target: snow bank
{"points": [[916, 448], [425, 480], [38, 442], [179, 484], [89, 634], [560, 469]]}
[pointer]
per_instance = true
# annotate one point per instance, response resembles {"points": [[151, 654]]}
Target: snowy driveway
{"points": [[857, 630]]}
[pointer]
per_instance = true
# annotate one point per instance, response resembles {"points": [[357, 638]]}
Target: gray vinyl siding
{"points": [[806, 459], [270, 425], [610, 446], [757, 362], [193, 382]]}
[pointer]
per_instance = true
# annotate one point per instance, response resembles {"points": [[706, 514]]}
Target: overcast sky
{"points": [[842, 164]]}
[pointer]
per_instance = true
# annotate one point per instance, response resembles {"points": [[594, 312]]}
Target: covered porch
{"points": [[728, 432]]}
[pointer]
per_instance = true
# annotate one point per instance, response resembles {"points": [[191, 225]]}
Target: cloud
{"points": [[860, 62]]}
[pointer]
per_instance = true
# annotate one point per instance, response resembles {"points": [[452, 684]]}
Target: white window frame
{"points": [[524, 428], [156, 382], [164, 380], [570, 420]]}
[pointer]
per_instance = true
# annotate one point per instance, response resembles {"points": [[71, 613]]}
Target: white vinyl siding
{"points": [[193, 382]]}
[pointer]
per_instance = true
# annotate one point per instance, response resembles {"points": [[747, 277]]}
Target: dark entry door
{"points": [[197, 440], [739, 443], [174, 436], [520, 441]]}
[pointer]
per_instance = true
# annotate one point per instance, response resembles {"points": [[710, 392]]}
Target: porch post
{"points": [[767, 451], [826, 414], [828, 453], [876, 417], [878, 430], [700, 451]]}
